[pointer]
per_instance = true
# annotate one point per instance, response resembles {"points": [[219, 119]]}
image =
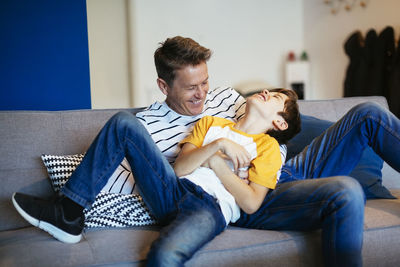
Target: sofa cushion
{"points": [[368, 170], [117, 205]]}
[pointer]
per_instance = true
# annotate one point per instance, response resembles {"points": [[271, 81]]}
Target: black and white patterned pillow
{"points": [[118, 210], [60, 168], [117, 205]]}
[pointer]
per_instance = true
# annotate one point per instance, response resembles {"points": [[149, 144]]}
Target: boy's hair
{"points": [[176, 53], [291, 114]]}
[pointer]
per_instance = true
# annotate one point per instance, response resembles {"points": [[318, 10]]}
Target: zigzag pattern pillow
{"points": [[117, 205], [117, 210]]}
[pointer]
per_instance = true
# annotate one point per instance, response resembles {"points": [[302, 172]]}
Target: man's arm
{"points": [[249, 197]]}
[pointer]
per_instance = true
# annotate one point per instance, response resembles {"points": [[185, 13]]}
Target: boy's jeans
{"points": [[336, 204]]}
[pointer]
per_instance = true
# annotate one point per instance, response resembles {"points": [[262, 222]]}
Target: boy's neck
{"points": [[251, 125]]}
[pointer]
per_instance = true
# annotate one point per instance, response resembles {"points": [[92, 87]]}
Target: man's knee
{"points": [[122, 119], [121, 116], [369, 108], [348, 191]]}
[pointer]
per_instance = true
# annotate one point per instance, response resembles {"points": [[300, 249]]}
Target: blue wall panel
{"points": [[44, 58]]}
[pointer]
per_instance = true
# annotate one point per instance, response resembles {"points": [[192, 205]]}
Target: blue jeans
{"points": [[192, 216], [338, 151], [335, 205]]}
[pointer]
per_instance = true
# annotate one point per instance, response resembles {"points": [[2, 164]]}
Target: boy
{"points": [[217, 141]]}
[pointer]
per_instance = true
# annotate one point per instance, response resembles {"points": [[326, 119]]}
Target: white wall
{"points": [[325, 34], [108, 54], [250, 39]]}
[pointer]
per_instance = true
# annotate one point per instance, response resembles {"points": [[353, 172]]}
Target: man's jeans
{"points": [[192, 216], [336, 204]]}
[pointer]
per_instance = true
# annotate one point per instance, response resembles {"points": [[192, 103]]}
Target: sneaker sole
{"points": [[49, 228]]}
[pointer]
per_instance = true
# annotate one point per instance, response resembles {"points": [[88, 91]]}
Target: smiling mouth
{"points": [[196, 102]]}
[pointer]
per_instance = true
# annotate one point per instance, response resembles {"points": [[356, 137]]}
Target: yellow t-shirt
{"points": [[264, 150]]}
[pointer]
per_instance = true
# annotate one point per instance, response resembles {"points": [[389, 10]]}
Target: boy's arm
{"points": [[192, 157], [249, 197]]}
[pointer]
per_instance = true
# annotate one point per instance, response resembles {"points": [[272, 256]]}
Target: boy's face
{"points": [[189, 89], [268, 105]]}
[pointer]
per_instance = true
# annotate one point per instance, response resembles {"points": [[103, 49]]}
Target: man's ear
{"points": [[280, 124], [163, 86]]}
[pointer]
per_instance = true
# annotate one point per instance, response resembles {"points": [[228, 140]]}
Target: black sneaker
{"points": [[48, 215]]}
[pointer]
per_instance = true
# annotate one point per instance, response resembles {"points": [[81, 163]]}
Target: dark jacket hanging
{"points": [[394, 83], [356, 69], [374, 61], [387, 46], [374, 67]]}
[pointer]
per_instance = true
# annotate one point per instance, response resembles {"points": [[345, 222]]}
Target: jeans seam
{"points": [[387, 128], [290, 174]]}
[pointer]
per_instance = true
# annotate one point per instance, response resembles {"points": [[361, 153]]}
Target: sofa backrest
{"points": [[334, 109]]}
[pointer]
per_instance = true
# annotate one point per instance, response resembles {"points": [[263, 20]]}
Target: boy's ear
{"points": [[280, 124], [163, 86]]}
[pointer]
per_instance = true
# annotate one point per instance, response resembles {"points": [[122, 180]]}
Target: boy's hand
{"points": [[242, 173], [248, 196], [237, 154]]}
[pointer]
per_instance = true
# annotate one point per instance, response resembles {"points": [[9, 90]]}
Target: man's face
{"points": [[189, 90]]}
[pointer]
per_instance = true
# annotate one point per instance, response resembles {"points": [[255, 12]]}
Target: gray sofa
{"points": [[25, 135]]}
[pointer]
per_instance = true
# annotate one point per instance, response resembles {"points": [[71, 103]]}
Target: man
{"points": [[336, 204]]}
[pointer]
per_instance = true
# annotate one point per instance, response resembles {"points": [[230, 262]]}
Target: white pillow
{"points": [[117, 205]]}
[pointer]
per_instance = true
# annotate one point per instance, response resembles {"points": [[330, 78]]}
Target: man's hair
{"points": [[176, 53], [291, 114]]}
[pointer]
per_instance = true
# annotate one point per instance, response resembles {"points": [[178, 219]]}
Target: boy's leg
{"points": [[335, 205], [198, 221], [337, 151]]}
